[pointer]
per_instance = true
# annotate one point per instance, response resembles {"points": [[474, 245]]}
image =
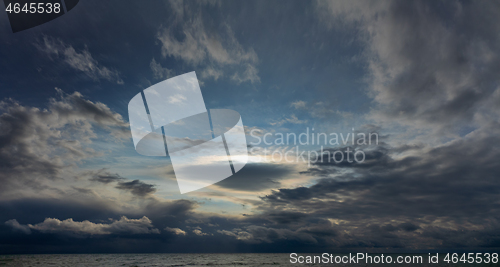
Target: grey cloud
{"points": [[428, 64], [256, 177], [122, 226], [137, 188], [293, 119], [160, 72], [250, 74], [210, 72], [218, 51], [320, 110], [198, 232], [95, 209], [284, 217], [16, 226], [258, 234], [236, 233], [91, 217], [444, 195], [178, 207], [74, 107], [84, 191], [408, 226], [408, 196], [38, 144], [106, 177], [80, 61], [320, 230], [176, 231], [298, 104], [376, 157], [319, 172]]}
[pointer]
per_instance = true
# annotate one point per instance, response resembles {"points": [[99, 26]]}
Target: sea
{"points": [[191, 260]]}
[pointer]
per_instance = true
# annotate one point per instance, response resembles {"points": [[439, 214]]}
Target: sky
{"points": [[420, 76]]}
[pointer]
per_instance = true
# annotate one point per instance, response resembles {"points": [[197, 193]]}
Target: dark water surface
{"points": [[191, 260]]}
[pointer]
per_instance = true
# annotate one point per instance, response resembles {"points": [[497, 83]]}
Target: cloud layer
{"points": [[428, 65], [68, 226], [40, 144]]}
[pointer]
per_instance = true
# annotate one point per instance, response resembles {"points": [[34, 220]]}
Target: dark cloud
{"points": [[106, 177], [173, 208], [408, 226], [92, 225], [430, 63], [38, 144], [257, 177], [432, 198], [417, 200], [34, 210], [16, 226], [137, 188], [321, 230]]}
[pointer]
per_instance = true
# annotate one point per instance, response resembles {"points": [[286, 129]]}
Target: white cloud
{"points": [[197, 231], [81, 61], [160, 72], [176, 231], [211, 72], [298, 104], [249, 75], [69, 226], [176, 99], [293, 119]]}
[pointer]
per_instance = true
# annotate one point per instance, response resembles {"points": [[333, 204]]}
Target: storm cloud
{"points": [[137, 187], [428, 65], [423, 75]]}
